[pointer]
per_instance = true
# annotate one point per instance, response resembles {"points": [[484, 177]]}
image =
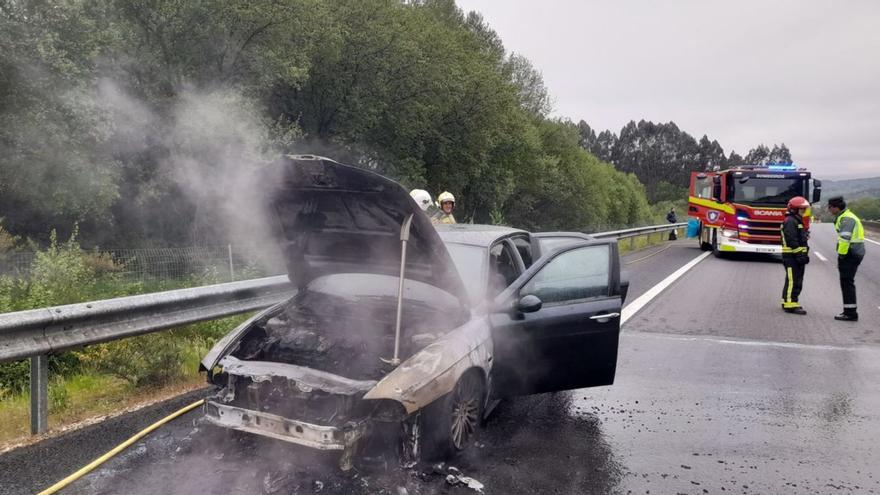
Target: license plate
{"points": [[765, 250]]}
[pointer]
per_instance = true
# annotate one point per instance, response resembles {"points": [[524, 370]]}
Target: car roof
{"points": [[475, 234]]}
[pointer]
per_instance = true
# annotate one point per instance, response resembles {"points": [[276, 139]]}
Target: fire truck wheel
{"points": [[704, 246], [717, 252]]}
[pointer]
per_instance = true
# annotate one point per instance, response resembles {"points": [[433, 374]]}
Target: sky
{"points": [[805, 73]]}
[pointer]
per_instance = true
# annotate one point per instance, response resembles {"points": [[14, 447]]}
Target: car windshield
{"points": [[767, 190], [469, 260]]}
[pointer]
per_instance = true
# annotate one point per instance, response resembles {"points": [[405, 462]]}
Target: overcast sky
{"points": [[806, 73]]}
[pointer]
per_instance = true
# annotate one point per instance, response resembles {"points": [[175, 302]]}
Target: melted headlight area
{"points": [[306, 407]]}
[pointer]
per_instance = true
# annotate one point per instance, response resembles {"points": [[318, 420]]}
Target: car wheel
{"points": [[451, 423]]}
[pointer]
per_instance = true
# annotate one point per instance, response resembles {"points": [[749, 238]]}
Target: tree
{"points": [[735, 160], [780, 155], [529, 82], [711, 154], [136, 119]]}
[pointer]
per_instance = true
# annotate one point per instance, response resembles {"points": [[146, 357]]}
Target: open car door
{"points": [[557, 326]]}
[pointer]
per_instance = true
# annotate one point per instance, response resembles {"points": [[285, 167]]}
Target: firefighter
{"points": [[850, 251], [795, 254], [447, 204], [422, 198]]}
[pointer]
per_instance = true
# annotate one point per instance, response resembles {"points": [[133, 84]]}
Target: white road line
{"points": [[756, 343], [640, 302], [819, 255], [872, 240]]}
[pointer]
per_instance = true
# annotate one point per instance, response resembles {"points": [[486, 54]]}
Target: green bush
{"points": [[158, 358]]}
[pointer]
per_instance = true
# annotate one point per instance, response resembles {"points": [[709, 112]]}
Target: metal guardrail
{"points": [[36, 333], [639, 231], [39, 332]]}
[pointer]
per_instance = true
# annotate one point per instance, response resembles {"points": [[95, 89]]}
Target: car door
{"points": [[557, 326]]}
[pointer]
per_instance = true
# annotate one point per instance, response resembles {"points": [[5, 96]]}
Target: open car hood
{"points": [[335, 218]]}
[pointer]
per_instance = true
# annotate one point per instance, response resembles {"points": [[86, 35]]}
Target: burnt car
{"points": [[404, 334]]}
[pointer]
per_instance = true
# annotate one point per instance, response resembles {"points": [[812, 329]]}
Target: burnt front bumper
{"points": [[343, 438], [290, 430]]}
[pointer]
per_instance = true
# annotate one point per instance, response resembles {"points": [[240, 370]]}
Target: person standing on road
{"points": [[850, 251], [447, 204], [670, 217], [795, 254]]}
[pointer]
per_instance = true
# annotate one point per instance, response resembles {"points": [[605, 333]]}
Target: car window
{"points": [[550, 243], [470, 262], [502, 268], [577, 274]]}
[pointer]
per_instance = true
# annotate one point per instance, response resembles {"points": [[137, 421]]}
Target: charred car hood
{"points": [[334, 218]]}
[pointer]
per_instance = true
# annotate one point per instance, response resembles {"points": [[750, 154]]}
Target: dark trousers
{"points": [[794, 282], [847, 266]]}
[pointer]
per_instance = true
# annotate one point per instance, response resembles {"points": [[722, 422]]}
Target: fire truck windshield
{"points": [[776, 190]]}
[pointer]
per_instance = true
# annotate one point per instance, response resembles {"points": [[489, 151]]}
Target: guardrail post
{"points": [[632, 243], [231, 271], [39, 394]]}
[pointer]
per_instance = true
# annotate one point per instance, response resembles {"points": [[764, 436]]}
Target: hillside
{"points": [[852, 188]]}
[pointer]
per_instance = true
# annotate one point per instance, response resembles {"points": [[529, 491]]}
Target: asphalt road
{"points": [[718, 391]]}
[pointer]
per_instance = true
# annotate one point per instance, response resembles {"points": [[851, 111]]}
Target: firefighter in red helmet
{"points": [[795, 253]]}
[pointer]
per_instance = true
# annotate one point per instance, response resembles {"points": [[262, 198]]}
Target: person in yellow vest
{"points": [[795, 254], [850, 252], [447, 205]]}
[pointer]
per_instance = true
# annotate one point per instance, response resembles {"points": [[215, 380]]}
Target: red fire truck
{"points": [[741, 209]]}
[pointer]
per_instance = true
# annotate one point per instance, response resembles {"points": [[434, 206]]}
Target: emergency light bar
{"points": [[782, 166]]}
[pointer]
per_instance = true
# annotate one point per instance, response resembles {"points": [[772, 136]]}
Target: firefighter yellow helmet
{"points": [[446, 197]]}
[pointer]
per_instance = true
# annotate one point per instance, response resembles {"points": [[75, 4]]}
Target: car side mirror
{"points": [[716, 188], [529, 304], [817, 191]]}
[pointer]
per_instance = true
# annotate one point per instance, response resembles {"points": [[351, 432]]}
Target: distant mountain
{"points": [[851, 188]]}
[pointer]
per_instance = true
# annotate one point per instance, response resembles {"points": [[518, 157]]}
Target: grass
{"points": [[82, 397], [116, 377]]}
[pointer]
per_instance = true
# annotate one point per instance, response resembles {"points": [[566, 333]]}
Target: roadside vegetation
{"points": [[103, 378]]}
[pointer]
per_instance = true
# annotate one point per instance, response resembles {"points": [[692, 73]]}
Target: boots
{"points": [[847, 317]]}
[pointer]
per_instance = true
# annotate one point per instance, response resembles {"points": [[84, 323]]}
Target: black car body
{"points": [[483, 313]]}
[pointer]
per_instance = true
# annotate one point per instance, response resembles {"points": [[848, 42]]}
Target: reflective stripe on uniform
{"points": [[790, 285], [850, 306]]}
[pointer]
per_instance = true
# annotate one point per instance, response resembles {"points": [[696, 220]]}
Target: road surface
{"points": [[717, 391]]}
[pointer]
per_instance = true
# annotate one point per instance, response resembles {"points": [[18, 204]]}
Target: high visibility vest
{"points": [[857, 236]]}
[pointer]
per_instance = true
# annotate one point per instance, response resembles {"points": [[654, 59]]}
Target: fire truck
{"points": [[741, 209]]}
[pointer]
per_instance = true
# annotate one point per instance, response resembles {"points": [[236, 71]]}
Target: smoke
{"points": [[205, 149]]}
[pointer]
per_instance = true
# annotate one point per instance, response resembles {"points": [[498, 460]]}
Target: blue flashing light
{"points": [[782, 166]]}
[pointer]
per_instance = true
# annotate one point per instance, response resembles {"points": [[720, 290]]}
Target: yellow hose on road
{"points": [[119, 448]]}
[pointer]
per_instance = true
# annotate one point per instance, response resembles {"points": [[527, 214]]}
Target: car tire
{"points": [[451, 423]]}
